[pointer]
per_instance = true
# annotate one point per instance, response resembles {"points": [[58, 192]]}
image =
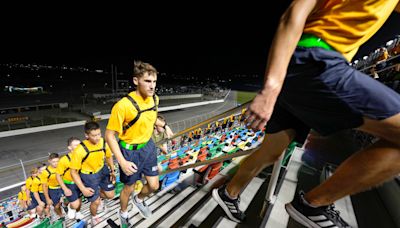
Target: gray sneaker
{"points": [[144, 210], [124, 221]]}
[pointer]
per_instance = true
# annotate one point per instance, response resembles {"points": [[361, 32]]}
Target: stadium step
{"points": [[194, 206]]}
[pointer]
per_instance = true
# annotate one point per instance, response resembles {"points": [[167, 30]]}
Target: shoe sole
{"points": [[221, 203], [299, 217]]}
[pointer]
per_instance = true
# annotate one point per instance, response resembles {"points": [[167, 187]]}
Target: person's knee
{"points": [[153, 186], [387, 129], [75, 204], [110, 194]]}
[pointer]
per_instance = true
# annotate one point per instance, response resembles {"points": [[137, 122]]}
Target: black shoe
{"points": [[231, 207], [313, 217]]}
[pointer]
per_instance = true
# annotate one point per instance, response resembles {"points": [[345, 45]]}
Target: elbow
{"points": [[109, 135]]}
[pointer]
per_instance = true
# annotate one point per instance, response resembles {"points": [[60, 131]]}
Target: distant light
{"points": [[61, 76], [51, 86], [8, 75], [38, 76]]}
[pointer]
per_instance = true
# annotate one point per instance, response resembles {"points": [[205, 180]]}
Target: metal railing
{"points": [[196, 122], [19, 169]]}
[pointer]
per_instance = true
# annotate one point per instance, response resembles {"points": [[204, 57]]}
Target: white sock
{"points": [[124, 214], [229, 196], [138, 200]]}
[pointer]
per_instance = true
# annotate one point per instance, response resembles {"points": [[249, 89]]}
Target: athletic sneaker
{"points": [[79, 215], [95, 220], [308, 216], [71, 212], [102, 207], [123, 221], [230, 206], [144, 210]]}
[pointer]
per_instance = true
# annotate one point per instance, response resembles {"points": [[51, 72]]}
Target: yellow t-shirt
{"points": [[37, 185], [347, 24], [95, 160], [124, 111], [28, 183], [22, 196], [48, 176], [63, 167]]}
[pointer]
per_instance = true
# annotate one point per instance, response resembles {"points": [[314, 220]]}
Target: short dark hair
{"points": [[34, 170], [41, 165], [53, 155], [139, 68], [71, 139], [161, 117], [90, 126]]}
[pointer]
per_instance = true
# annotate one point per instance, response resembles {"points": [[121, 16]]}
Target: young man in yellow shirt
{"points": [[22, 198], [88, 170], [310, 84], [64, 178], [51, 189], [37, 192], [133, 119], [31, 201]]}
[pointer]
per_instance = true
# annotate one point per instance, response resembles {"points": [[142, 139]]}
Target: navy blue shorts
{"points": [[43, 198], [76, 192], [55, 195], [145, 159], [34, 202], [97, 181], [322, 92]]}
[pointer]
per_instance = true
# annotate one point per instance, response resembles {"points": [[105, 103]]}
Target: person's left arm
{"points": [[110, 163]]}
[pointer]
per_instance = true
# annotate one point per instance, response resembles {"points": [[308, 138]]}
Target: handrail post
{"points": [[23, 168], [270, 196]]}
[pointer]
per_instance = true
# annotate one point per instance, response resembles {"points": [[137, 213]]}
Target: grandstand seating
{"points": [[191, 206]]}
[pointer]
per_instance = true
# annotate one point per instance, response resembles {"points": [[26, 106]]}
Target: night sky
{"points": [[227, 45]]}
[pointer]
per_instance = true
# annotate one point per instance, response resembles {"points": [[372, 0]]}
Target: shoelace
{"points": [[335, 214], [238, 210]]}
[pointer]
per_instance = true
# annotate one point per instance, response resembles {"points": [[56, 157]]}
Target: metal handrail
{"points": [[214, 160], [212, 119]]}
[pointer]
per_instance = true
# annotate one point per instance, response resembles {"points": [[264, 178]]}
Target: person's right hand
{"points": [[261, 108], [68, 192], [28, 202], [49, 202], [41, 203], [129, 168], [88, 192]]}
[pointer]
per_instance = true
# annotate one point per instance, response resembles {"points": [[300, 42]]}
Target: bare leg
{"points": [[57, 209], [270, 150], [93, 206], [124, 196], [151, 186], [367, 168]]}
